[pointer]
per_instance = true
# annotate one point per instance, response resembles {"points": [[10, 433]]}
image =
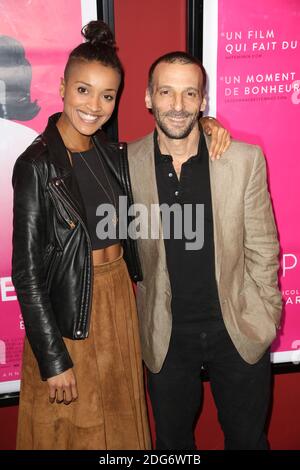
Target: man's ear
{"points": [[148, 100], [62, 88], [203, 104]]}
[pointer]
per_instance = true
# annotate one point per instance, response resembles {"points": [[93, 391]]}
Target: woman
{"points": [[74, 290], [82, 381]]}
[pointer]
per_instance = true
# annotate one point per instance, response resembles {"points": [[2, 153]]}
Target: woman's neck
{"points": [[73, 140]]}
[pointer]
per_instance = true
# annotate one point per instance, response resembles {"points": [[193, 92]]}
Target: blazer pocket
{"points": [[254, 302]]}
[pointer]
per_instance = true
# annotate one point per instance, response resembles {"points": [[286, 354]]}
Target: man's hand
{"points": [[62, 387], [220, 137]]}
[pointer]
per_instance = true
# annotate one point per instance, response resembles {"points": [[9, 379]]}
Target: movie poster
{"points": [[252, 55], [35, 40]]}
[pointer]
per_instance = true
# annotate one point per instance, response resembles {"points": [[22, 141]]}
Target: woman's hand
{"points": [[220, 137], [62, 387]]}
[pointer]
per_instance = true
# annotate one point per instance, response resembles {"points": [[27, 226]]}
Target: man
{"points": [[218, 305]]}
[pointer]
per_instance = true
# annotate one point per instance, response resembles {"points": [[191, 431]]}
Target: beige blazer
{"points": [[246, 253]]}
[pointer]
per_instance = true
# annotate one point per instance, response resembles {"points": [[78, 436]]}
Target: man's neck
{"points": [[180, 149]]}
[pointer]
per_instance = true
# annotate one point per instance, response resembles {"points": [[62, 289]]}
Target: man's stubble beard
{"points": [[170, 133]]}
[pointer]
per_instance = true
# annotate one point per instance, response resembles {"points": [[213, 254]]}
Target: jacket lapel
{"points": [[146, 163], [220, 183], [144, 188], [59, 157]]}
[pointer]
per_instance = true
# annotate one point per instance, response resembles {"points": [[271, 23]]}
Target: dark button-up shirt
{"points": [[192, 272]]}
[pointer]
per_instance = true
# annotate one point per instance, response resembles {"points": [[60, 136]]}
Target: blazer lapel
{"points": [[144, 188], [142, 166], [220, 183]]}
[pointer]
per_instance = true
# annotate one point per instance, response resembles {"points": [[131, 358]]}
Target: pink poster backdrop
{"points": [[258, 99], [35, 39]]}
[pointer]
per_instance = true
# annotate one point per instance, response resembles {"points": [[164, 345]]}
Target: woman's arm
{"points": [[28, 271], [220, 137]]}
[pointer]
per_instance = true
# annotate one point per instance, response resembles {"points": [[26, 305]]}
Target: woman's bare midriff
{"points": [[106, 255]]}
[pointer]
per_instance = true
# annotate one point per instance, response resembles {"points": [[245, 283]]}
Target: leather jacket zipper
{"points": [[71, 224], [55, 187], [67, 220]]}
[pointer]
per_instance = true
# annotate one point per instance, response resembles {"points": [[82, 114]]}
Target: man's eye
{"points": [[164, 92], [82, 89]]}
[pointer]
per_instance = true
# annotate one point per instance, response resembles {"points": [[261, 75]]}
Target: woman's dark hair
{"points": [[99, 45]]}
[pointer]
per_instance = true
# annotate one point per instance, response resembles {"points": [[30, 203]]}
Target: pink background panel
{"points": [[265, 40], [48, 31]]}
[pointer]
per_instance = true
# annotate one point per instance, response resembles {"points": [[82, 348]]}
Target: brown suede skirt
{"points": [[110, 412]]}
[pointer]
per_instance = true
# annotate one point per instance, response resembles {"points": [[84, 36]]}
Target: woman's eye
{"points": [[82, 89], [108, 97]]}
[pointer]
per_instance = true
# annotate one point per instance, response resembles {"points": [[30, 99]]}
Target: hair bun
{"points": [[98, 33]]}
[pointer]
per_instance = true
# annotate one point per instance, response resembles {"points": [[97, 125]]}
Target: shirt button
{"points": [[170, 175], [203, 335], [176, 193]]}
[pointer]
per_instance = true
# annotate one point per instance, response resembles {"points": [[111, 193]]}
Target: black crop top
{"points": [[102, 222]]}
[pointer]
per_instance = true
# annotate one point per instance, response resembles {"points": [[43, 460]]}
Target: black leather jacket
{"points": [[52, 267]]}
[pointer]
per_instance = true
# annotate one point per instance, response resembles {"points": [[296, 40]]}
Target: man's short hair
{"points": [[176, 57]]}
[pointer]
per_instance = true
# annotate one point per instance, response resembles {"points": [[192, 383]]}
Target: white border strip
{"points": [[286, 356], [10, 387], [88, 11], [210, 52]]}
